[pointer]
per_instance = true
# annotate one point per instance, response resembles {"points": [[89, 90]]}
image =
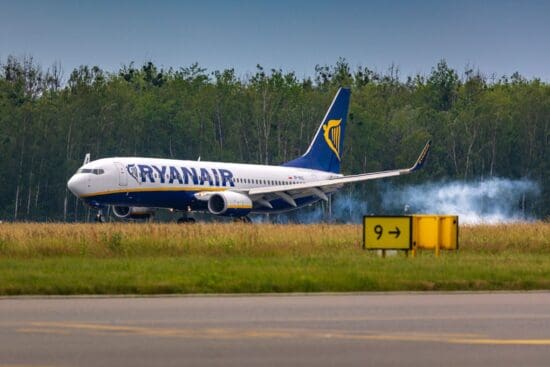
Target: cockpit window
{"points": [[95, 171]]}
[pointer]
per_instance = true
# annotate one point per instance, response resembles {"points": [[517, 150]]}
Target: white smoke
{"points": [[343, 208], [496, 200], [492, 201]]}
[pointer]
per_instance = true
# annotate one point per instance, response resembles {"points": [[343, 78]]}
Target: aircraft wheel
{"points": [[99, 218], [246, 220], [186, 220]]}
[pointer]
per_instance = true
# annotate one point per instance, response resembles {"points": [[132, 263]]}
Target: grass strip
{"points": [[156, 258]]}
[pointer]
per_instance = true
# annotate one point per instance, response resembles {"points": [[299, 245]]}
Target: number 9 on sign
{"points": [[378, 230]]}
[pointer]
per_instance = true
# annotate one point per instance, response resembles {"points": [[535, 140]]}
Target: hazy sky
{"points": [[495, 36]]}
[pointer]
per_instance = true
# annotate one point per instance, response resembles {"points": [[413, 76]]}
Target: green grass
{"points": [[152, 259]]}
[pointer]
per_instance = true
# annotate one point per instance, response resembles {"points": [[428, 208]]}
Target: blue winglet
{"points": [[422, 157]]}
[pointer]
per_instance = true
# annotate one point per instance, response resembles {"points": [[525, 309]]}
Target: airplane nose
{"points": [[73, 186]]}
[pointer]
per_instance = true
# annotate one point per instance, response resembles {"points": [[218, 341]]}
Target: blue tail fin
{"points": [[325, 151]]}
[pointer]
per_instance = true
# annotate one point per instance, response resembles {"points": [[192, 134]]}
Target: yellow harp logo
{"points": [[332, 135]]}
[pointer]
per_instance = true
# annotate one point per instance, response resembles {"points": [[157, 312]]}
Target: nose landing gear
{"points": [[100, 217]]}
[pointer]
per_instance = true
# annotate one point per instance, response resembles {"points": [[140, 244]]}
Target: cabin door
{"points": [[122, 175]]}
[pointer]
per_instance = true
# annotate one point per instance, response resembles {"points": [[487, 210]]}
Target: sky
{"points": [[496, 37]]}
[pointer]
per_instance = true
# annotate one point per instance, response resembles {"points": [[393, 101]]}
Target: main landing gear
{"points": [[244, 219], [186, 220]]}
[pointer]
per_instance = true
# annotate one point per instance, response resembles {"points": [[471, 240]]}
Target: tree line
{"points": [[480, 126]]}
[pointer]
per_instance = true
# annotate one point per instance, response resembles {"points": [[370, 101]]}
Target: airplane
{"points": [[135, 187]]}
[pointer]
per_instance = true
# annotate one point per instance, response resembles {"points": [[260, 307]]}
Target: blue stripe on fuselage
{"points": [[179, 200], [155, 199]]}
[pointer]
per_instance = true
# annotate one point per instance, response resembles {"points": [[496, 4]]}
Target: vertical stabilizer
{"points": [[325, 151]]}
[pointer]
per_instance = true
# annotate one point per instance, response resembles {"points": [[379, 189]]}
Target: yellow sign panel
{"points": [[387, 233]]}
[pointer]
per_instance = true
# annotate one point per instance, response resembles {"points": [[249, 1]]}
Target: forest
{"points": [[481, 125]]}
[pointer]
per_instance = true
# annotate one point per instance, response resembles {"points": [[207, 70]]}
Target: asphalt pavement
{"points": [[412, 329]]}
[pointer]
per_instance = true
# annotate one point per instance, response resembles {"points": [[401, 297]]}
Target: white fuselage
{"points": [[168, 183]]}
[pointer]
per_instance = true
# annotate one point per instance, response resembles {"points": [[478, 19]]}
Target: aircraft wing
{"points": [[288, 193]]}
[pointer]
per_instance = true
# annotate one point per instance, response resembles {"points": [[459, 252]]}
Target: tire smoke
{"points": [[492, 201]]}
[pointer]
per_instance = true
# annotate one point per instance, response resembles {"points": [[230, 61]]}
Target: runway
{"points": [[418, 329]]}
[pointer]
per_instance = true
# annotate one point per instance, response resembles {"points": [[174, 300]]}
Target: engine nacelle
{"points": [[133, 212], [229, 203]]}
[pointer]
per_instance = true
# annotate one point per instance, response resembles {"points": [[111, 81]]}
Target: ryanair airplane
{"points": [[135, 187]]}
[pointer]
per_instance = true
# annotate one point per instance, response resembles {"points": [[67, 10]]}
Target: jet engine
{"points": [[133, 212], [229, 203]]}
